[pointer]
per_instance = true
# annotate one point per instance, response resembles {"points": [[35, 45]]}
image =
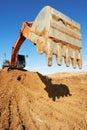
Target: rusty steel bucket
{"points": [[56, 34]]}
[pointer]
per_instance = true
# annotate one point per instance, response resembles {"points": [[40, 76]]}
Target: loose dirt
{"points": [[31, 101]]}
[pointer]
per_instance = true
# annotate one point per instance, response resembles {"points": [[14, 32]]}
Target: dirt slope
{"points": [[31, 101]]}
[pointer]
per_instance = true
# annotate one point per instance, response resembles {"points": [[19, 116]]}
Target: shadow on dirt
{"points": [[54, 90]]}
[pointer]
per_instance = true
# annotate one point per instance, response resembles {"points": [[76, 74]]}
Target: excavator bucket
{"points": [[56, 34]]}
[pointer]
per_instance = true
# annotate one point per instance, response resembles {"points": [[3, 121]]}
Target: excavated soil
{"points": [[31, 101]]}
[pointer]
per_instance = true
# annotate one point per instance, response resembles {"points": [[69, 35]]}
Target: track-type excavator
{"points": [[53, 33]]}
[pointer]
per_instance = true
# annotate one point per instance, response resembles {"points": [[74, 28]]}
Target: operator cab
{"points": [[21, 61]]}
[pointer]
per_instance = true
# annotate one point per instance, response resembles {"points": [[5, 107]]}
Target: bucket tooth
{"points": [[67, 57], [79, 59], [49, 59], [67, 61], [48, 51], [73, 58], [40, 45], [59, 56], [73, 62], [79, 62], [59, 61]]}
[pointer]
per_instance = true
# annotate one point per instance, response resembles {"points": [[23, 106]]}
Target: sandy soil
{"points": [[31, 101]]}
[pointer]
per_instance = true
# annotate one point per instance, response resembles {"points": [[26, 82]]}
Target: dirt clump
{"points": [[31, 101]]}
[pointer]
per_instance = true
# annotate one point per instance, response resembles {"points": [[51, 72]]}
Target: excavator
{"points": [[53, 33]]}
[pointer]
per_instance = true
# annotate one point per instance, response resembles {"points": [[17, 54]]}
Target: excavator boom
{"points": [[21, 38], [54, 34]]}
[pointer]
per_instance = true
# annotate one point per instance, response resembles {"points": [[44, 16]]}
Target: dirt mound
{"points": [[31, 101]]}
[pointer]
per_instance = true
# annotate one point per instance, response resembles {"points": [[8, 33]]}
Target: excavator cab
{"points": [[21, 61]]}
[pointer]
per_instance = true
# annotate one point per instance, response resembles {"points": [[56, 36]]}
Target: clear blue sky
{"points": [[14, 12]]}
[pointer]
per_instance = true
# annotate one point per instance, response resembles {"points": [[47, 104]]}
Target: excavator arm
{"points": [[23, 35], [54, 34]]}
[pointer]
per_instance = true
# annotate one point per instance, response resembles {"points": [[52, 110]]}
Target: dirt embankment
{"points": [[31, 101]]}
